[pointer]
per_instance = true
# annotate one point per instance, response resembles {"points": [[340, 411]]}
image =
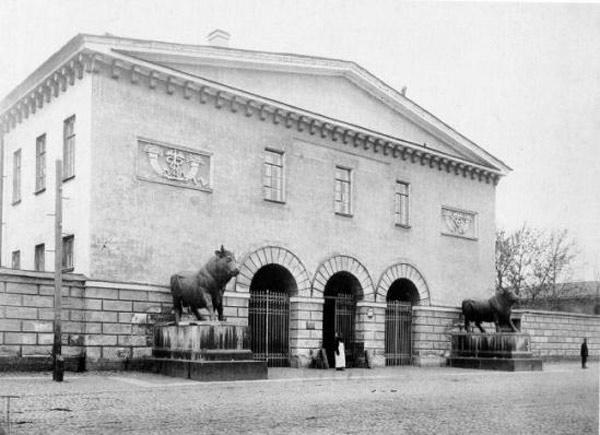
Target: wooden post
{"points": [[57, 359]]}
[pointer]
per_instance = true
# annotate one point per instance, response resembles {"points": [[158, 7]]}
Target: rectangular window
{"points": [[67, 253], [40, 257], [40, 163], [401, 209], [16, 259], [343, 191], [273, 176], [69, 148], [16, 176]]}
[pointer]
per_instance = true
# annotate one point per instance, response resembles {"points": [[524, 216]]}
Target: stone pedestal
{"points": [[507, 351], [205, 351]]}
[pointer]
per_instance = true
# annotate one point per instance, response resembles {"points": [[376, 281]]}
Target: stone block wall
{"points": [[109, 324], [27, 316], [558, 335], [306, 326], [370, 330], [431, 342]]}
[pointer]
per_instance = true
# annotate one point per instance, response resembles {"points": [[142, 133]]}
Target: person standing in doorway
{"points": [[340, 353], [584, 353]]}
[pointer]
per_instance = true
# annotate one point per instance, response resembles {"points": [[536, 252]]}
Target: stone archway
{"points": [[343, 283], [274, 279], [272, 255], [404, 271], [401, 287], [343, 263]]}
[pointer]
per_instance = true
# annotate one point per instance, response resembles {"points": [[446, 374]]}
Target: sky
{"points": [[522, 80]]}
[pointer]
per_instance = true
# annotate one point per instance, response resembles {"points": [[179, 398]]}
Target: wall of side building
{"points": [[30, 222], [144, 231]]}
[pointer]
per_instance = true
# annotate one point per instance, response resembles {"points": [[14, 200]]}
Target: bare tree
{"points": [[551, 266], [534, 264], [514, 255]]}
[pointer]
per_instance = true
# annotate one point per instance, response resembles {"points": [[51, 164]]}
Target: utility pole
{"points": [[58, 363]]}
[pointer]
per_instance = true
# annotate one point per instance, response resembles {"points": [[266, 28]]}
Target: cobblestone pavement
{"points": [[563, 399]]}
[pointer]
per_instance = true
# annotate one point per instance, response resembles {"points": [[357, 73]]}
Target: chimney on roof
{"points": [[218, 38]]}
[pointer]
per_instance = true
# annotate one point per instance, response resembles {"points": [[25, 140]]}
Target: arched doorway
{"points": [[339, 311], [269, 314], [401, 296]]}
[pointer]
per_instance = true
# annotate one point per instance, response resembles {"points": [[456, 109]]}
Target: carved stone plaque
{"points": [[173, 165], [459, 223]]}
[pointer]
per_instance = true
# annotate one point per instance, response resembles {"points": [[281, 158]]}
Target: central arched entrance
{"points": [[401, 296], [268, 314], [339, 313]]}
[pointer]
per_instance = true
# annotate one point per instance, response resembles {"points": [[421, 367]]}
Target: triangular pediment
{"points": [[338, 89], [331, 93]]}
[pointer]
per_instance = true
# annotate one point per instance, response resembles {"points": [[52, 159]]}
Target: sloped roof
{"points": [[161, 54]]}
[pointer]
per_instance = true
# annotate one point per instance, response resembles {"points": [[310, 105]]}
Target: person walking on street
{"points": [[340, 353], [584, 353]]}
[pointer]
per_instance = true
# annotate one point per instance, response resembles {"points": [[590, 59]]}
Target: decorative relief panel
{"points": [[174, 165], [459, 223]]}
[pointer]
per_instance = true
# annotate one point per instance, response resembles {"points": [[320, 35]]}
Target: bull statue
{"points": [[205, 288], [496, 309]]}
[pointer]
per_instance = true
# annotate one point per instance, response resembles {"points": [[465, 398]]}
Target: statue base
{"points": [[508, 351], [204, 351]]}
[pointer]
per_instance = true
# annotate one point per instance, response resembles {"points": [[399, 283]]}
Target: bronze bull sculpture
{"points": [[496, 309], [205, 288]]}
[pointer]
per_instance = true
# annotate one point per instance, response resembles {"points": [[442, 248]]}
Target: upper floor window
{"points": [[273, 176], [40, 163], [16, 196], [343, 191], [16, 259], [40, 257], [67, 253], [401, 204], [69, 148]]}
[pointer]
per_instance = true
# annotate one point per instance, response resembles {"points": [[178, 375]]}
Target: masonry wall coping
{"points": [[238, 295], [440, 308], [556, 313], [126, 286], [10, 275], [371, 304], [307, 299]]}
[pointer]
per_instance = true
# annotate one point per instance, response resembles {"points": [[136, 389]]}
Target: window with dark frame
{"points": [[69, 148], [40, 163], [16, 176], [343, 191], [16, 259], [402, 207], [40, 257], [67, 253], [273, 176]]}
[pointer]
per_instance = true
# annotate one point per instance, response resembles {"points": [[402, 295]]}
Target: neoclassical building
{"points": [[350, 207]]}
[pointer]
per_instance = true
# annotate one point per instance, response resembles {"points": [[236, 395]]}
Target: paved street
{"points": [[563, 399]]}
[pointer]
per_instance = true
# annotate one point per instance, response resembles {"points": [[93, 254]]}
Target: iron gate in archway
{"points": [[398, 333], [338, 316], [269, 324]]}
